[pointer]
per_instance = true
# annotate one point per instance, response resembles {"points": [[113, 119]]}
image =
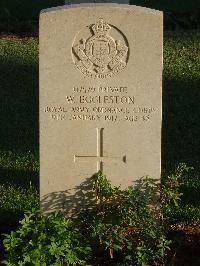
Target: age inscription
{"points": [[110, 104]]}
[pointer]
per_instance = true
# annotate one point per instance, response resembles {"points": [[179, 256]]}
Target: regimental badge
{"points": [[103, 54]]}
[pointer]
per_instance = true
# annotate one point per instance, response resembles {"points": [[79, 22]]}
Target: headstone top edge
{"points": [[157, 12]]}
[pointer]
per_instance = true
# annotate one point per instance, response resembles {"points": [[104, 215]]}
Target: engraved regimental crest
{"points": [[100, 50]]}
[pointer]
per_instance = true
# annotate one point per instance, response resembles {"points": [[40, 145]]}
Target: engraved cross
{"points": [[99, 158]]}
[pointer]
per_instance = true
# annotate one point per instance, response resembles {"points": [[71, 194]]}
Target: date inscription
{"points": [[110, 104]]}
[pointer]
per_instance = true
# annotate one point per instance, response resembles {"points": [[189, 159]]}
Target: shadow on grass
{"points": [[181, 121], [18, 131], [19, 178], [181, 139], [19, 104]]}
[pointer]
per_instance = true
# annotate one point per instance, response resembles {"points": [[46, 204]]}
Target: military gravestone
{"points": [[100, 97]]}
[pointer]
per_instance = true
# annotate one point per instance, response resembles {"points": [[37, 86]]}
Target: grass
{"points": [[25, 10], [181, 96], [29, 10], [19, 164], [19, 142]]}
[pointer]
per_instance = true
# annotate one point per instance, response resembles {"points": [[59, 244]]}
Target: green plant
{"points": [[128, 223], [46, 241], [171, 191]]}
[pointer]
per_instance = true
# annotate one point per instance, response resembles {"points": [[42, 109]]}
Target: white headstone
{"points": [[100, 98]]}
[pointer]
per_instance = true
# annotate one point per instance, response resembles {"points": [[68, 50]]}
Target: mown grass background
{"points": [[25, 9], [19, 164], [181, 117], [30, 9]]}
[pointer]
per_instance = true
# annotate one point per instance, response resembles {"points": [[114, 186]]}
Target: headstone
{"points": [[100, 98]]}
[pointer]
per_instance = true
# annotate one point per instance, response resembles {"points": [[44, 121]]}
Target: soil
{"points": [[185, 250]]}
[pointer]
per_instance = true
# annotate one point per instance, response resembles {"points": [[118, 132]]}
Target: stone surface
{"points": [[100, 98]]}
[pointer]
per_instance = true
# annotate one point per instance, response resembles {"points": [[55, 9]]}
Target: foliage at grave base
{"points": [[128, 224], [46, 241], [122, 226]]}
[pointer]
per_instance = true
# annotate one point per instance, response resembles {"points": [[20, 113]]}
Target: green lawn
{"points": [[181, 112], [19, 163]]}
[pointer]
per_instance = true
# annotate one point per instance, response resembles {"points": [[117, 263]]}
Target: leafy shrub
{"points": [[172, 194], [46, 240], [127, 226], [128, 223]]}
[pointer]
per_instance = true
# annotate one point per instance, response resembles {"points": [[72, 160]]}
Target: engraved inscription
{"points": [[101, 103], [97, 53], [99, 158]]}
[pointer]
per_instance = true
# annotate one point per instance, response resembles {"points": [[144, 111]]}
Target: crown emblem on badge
{"points": [[100, 55], [101, 27]]}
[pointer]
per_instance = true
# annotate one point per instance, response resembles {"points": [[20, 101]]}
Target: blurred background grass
{"points": [[30, 9], [25, 9]]}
